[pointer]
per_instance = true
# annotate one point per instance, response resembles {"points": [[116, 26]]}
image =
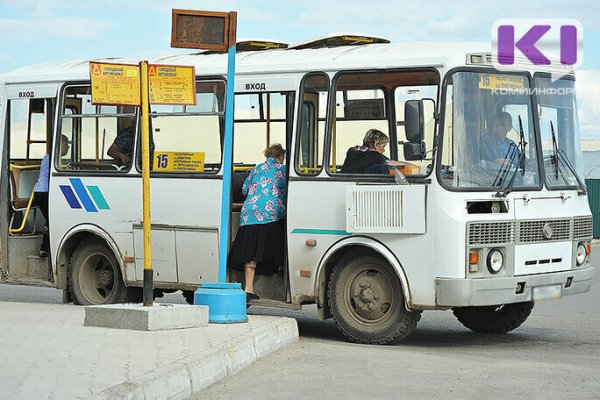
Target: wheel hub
{"points": [[367, 299], [105, 277]]}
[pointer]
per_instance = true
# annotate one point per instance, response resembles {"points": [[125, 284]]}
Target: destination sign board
{"points": [[119, 84], [115, 84], [172, 84]]}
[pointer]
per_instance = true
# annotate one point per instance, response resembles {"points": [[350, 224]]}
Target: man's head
{"points": [[503, 124], [375, 140], [64, 145]]}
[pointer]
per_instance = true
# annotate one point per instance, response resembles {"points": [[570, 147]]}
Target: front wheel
{"points": [[367, 303], [94, 275], [494, 319]]}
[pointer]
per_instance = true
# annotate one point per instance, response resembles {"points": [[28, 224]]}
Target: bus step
{"points": [[38, 268], [29, 282], [270, 303]]}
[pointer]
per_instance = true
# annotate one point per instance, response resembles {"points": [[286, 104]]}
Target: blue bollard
{"points": [[226, 301]]}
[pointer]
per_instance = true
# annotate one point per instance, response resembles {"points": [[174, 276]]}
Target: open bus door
{"points": [[28, 124], [261, 120]]}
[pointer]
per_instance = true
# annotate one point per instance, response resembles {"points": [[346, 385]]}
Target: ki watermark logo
{"points": [[552, 45]]}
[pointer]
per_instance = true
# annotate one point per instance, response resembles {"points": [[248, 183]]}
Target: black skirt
{"points": [[262, 243]]}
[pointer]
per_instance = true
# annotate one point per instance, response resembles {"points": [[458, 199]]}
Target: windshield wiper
{"points": [[561, 156], [506, 189], [505, 167], [554, 156], [520, 151], [522, 146]]}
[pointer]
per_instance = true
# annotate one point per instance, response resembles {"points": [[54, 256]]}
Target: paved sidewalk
{"points": [[47, 353]]}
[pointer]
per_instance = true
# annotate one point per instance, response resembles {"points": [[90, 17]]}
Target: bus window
{"points": [[311, 125], [260, 120], [364, 101], [187, 139], [91, 129], [29, 128]]}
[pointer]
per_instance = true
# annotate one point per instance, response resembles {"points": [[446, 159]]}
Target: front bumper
{"points": [[502, 290]]}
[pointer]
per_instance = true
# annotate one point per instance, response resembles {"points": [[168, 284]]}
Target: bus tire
{"points": [[494, 319], [94, 275], [366, 300]]}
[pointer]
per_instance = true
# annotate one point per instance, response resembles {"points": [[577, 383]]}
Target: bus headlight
{"points": [[581, 254], [495, 261]]}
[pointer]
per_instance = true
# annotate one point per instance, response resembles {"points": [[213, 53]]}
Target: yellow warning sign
{"points": [[115, 84], [172, 84], [169, 161], [512, 83]]}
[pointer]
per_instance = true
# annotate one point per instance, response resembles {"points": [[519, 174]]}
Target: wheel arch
{"points": [[339, 249], [70, 241]]}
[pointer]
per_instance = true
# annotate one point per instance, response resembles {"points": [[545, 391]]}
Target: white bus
{"points": [[483, 239]]}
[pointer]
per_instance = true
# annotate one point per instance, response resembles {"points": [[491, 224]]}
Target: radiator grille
{"points": [[481, 233], [582, 228], [377, 209], [533, 231]]}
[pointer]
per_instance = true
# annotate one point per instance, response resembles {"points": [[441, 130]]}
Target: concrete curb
{"points": [[182, 379]]}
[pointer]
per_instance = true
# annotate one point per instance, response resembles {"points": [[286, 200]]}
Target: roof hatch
{"points": [[259, 44], [339, 39]]}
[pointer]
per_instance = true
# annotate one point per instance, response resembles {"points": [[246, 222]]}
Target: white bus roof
{"points": [[380, 55]]}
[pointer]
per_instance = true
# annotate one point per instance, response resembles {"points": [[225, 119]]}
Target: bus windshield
{"points": [[559, 131], [488, 133]]}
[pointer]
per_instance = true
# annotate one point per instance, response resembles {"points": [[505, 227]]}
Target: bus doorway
{"points": [[260, 120], [29, 123]]}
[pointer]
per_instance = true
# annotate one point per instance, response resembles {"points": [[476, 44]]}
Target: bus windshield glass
{"points": [[488, 133], [559, 131]]}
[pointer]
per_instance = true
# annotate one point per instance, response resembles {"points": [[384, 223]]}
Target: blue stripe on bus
{"points": [[83, 195], [70, 196], [320, 231], [98, 197]]}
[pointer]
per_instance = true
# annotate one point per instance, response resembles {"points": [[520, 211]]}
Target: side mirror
{"points": [[414, 120], [414, 151]]}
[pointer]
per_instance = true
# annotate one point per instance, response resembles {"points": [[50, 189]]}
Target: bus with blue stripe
{"points": [[475, 223]]}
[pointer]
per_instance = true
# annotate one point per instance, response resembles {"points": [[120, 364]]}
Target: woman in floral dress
{"points": [[258, 247]]}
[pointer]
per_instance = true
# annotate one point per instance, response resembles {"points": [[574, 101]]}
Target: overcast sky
{"points": [[39, 31]]}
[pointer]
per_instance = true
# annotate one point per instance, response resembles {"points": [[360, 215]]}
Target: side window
{"points": [[30, 126], [91, 131], [187, 139], [259, 121], [357, 111], [311, 124], [367, 101]]}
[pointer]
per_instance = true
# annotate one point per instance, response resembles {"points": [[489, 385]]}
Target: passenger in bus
{"points": [[495, 146], [369, 158], [40, 196], [258, 247], [122, 147]]}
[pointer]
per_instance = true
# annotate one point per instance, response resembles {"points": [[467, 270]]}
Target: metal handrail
{"points": [[18, 230]]}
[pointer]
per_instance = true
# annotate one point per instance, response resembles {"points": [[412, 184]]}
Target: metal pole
{"points": [[227, 166], [148, 273], [227, 152]]}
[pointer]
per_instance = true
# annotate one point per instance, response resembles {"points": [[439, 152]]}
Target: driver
{"points": [[495, 146]]}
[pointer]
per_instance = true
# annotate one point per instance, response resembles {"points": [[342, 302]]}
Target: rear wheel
{"points": [[494, 319], [366, 300], [94, 275]]}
